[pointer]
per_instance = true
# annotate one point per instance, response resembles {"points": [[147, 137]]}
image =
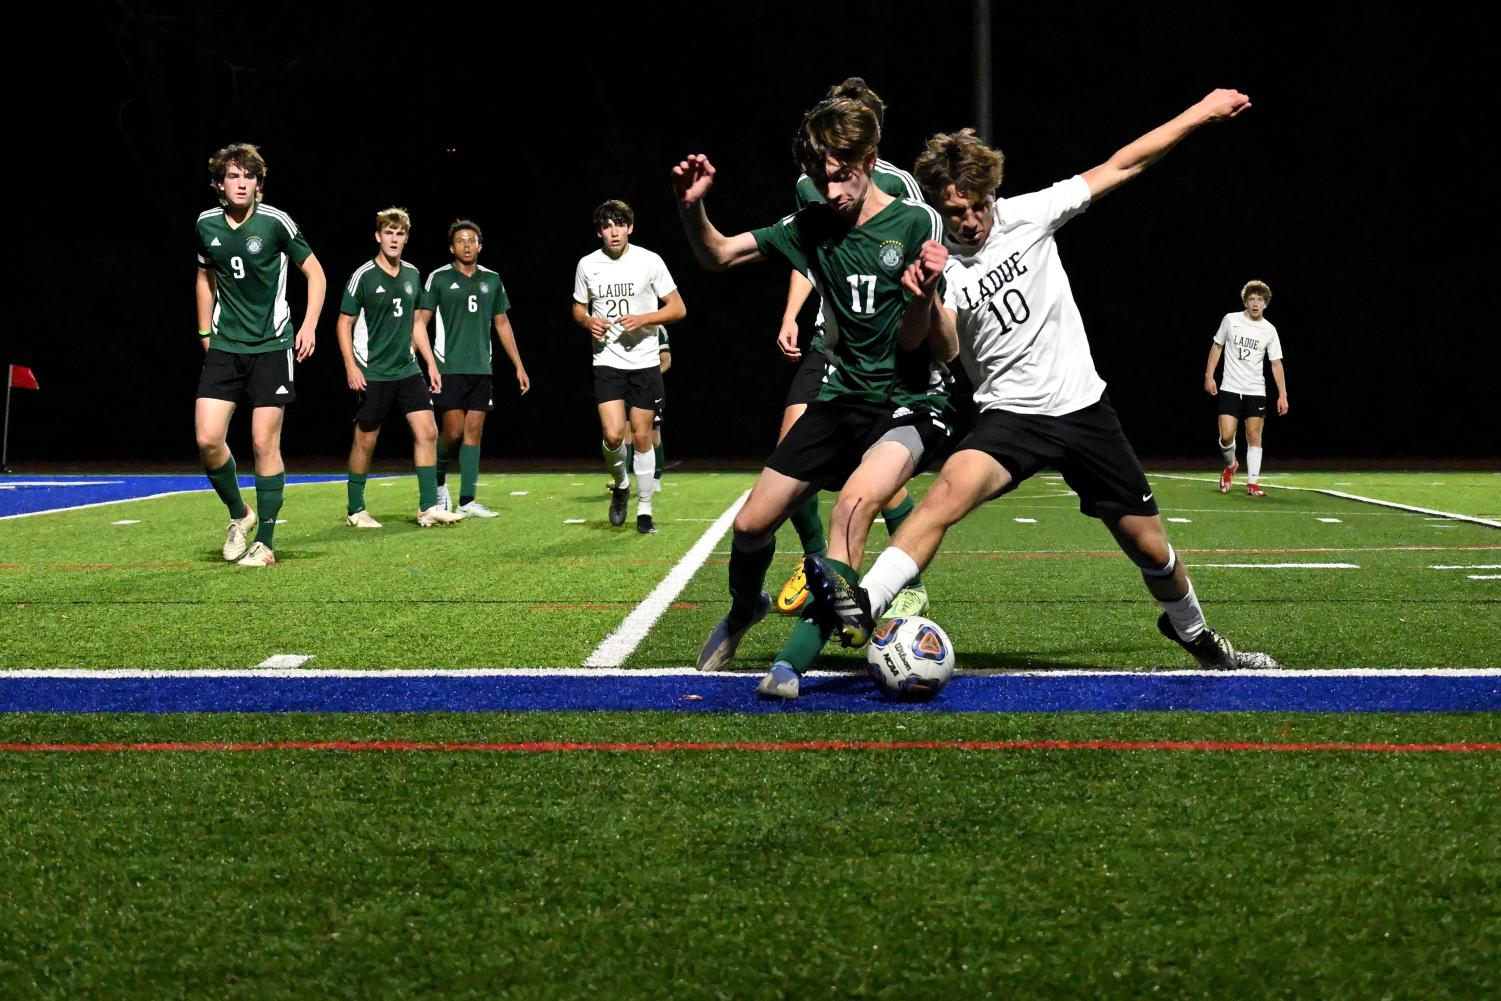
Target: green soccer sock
{"points": [[427, 487], [357, 492], [747, 574], [810, 527], [850, 574], [445, 454], [807, 639], [894, 518], [468, 472], [268, 495], [227, 485], [658, 449]]}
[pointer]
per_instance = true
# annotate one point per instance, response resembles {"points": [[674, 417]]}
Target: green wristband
{"points": [[203, 333]]}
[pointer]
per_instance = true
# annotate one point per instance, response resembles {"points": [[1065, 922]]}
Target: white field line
{"points": [[620, 644], [1484, 576], [312, 674], [1356, 497], [1465, 566], [1276, 566]]}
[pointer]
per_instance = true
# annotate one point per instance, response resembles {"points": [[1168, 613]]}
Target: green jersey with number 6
{"points": [[383, 308], [857, 272], [249, 265], [463, 308]]}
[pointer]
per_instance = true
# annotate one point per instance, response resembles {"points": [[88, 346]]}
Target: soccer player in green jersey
{"points": [[812, 365], [463, 301], [880, 415], [245, 328], [379, 341]]}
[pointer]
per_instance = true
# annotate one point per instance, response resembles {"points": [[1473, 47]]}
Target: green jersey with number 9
{"points": [[249, 265]]}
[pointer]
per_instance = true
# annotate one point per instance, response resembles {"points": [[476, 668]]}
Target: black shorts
{"points": [[640, 388], [265, 378], [380, 398], [1240, 407], [466, 392], [656, 420], [1087, 446], [809, 378], [830, 440]]}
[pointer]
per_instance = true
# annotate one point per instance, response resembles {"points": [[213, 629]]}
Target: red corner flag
{"points": [[23, 378]]}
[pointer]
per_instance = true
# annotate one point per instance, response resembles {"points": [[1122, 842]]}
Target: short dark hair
{"points": [[856, 89], [839, 128], [615, 211], [459, 224], [963, 160]]}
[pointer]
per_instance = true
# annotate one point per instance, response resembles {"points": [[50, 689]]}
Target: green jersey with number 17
{"points": [[463, 308], [249, 265], [857, 272]]}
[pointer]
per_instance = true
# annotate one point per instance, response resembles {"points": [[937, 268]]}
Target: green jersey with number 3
{"points": [[463, 309], [249, 265], [383, 308]]}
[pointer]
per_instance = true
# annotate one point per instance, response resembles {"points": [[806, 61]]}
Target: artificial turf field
{"points": [[1051, 867]]}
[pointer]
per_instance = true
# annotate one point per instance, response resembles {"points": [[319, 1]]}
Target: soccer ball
{"points": [[910, 659]]}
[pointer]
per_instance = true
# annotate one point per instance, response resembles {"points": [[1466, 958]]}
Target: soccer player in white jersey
{"points": [[1041, 402], [1245, 338], [623, 295]]}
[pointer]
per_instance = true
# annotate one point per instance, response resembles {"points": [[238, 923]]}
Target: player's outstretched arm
{"points": [[1214, 360], [1132, 159], [344, 330], [204, 291], [691, 180], [507, 338], [317, 286]]}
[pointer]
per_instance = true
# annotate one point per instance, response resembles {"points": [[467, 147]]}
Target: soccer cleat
{"points": [[1228, 476], [781, 682], [237, 539], [794, 594], [443, 499], [619, 498], [719, 648], [1209, 648], [908, 603], [850, 605], [1254, 489], [258, 556], [474, 509], [436, 515], [361, 519], [645, 525]]}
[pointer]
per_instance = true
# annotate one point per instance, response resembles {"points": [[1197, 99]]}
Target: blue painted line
{"points": [[26, 494], [736, 693]]}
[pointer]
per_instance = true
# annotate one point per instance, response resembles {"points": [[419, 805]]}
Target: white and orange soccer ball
{"points": [[910, 659]]}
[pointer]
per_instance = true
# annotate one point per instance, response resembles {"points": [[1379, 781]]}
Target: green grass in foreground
{"points": [[709, 874], [528, 589]]}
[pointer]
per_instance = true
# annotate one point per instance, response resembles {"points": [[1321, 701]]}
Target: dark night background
{"points": [[1357, 186]]}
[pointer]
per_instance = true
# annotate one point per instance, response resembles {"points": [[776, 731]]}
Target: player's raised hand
{"points": [[692, 178], [307, 340], [1224, 103], [787, 341]]}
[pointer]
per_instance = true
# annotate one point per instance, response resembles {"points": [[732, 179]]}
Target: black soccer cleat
{"points": [[620, 497], [645, 525], [831, 594], [1209, 648]]}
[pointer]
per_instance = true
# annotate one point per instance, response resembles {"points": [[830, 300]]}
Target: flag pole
{"points": [[5, 437]]}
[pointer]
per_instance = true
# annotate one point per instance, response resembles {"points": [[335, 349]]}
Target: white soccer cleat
{"points": [[237, 539], [436, 515], [258, 556], [443, 499], [474, 509], [781, 682], [361, 519]]}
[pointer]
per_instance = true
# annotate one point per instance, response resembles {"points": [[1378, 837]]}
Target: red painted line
{"points": [[809, 745]]}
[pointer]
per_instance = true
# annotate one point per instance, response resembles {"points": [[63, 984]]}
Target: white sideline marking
{"points": [[620, 644], [1025, 521], [519, 493], [1356, 497], [1484, 576], [61, 483], [1181, 521], [309, 673], [128, 521], [1330, 521], [575, 521], [286, 660], [1277, 566], [1466, 566]]}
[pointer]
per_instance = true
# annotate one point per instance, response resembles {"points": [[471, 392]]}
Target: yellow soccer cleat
{"points": [[794, 594]]}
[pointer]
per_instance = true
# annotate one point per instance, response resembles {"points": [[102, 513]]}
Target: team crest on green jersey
{"points": [[890, 257], [484, 289], [252, 244], [408, 288]]}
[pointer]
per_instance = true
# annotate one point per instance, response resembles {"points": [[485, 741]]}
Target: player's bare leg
{"points": [[211, 428]]}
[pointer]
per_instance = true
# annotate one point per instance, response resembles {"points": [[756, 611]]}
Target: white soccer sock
{"points": [[1185, 614], [888, 575], [646, 480], [1253, 463], [615, 463], [1228, 451]]}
